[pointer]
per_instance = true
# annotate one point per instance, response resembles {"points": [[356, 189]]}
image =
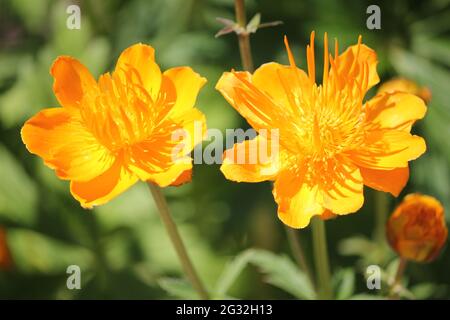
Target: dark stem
{"points": [[243, 36]]}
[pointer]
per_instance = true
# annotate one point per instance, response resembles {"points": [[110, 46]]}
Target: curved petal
{"points": [[281, 83], [177, 174], [141, 59], [251, 161], [388, 149], [104, 187], [155, 154], [257, 107], [358, 62], [193, 124], [250, 102], [396, 110], [344, 195], [72, 81], [297, 202], [392, 181], [58, 136], [187, 84]]}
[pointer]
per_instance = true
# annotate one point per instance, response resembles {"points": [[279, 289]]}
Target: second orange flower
{"points": [[331, 141]]}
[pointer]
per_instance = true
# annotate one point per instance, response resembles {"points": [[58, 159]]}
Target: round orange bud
{"points": [[416, 229]]}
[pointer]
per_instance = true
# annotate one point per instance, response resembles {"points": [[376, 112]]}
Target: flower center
{"points": [[121, 112]]}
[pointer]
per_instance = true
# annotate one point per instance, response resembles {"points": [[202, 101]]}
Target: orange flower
{"points": [[5, 256], [405, 85], [416, 229], [112, 132], [331, 141]]}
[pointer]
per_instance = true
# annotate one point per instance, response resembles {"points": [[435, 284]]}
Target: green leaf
{"points": [[432, 48], [357, 245], [345, 284], [423, 290], [34, 252], [231, 273], [178, 288], [253, 25], [18, 193], [283, 273]]}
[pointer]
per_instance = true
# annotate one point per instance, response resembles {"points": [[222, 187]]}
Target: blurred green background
{"points": [[122, 247]]}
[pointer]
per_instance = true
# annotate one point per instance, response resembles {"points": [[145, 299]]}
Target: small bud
{"points": [[408, 86], [417, 230]]}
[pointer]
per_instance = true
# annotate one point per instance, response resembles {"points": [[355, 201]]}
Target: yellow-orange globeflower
{"points": [[110, 133], [331, 141], [417, 230]]}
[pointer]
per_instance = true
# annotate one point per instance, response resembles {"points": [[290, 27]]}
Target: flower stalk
{"points": [[298, 252], [244, 36], [321, 259], [177, 242], [394, 293]]}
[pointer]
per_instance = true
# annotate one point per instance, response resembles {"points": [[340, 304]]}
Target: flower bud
{"points": [[417, 230], [408, 86]]}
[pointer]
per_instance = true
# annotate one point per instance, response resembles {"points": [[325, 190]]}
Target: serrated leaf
{"points": [[282, 273], [231, 273]]}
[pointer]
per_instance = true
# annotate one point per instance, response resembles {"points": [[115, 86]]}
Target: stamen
{"points": [[310, 57], [325, 60], [336, 48], [289, 52]]}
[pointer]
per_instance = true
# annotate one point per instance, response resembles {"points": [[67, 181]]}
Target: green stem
{"points": [[244, 36], [321, 259], [394, 292], [297, 251], [174, 236]]}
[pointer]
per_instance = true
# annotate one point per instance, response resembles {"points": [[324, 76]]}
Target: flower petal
{"points": [[281, 83], [193, 124], [245, 161], [257, 107], [72, 81], [141, 59], [392, 181], [395, 110], [104, 187], [297, 202], [188, 84], [157, 154], [351, 65], [345, 193], [249, 101], [58, 136], [180, 172], [388, 149]]}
